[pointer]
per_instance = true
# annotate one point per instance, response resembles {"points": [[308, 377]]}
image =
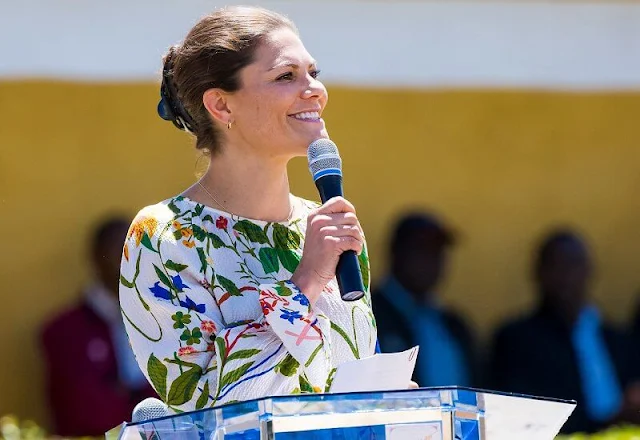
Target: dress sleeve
{"points": [[188, 351]]}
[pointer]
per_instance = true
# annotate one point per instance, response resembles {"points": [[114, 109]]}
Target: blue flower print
{"points": [[191, 305], [290, 315], [159, 291], [177, 281], [303, 300]]}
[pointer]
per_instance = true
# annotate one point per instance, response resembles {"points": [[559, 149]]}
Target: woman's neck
{"points": [[251, 187]]}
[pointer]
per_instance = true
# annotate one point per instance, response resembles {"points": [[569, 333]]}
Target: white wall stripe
{"points": [[414, 44]]}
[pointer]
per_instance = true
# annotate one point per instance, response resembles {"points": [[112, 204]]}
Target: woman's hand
{"points": [[332, 229], [413, 385]]}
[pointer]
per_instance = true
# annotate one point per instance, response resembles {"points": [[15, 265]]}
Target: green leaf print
{"points": [[175, 266], [177, 234], [363, 260], [135, 276], [332, 374], [199, 208], [235, 375], [126, 283], [165, 280], [216, 241], [344, 335], [283, 290], [182, 389], [174, 208], [203, 259], [229, 286], [313, 355], [221, 349], [158, 375], [285, 238], [191, 336], [243, 354], [199, 233], [181, 320], [305, 386], [288, 366], [146, 241], [289, 259], [251, 231], [204, 397], [269, 259]]}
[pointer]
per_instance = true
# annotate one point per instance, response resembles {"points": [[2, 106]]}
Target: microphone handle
{"points": [[348, 270]]}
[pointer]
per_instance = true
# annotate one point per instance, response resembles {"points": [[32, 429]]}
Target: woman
{"points": [[228, 289]]}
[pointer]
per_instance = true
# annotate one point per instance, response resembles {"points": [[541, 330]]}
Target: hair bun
{"points": [[170, 108]]}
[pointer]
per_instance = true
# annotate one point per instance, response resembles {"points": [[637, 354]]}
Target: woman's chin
{"points": [[300, 146], [320, 134]]}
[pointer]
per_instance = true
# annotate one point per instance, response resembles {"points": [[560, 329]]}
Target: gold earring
{"points": [[229, 125]]}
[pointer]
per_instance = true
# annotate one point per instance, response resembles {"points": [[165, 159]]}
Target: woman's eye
{"points": [[285, 77], [314, 73]]}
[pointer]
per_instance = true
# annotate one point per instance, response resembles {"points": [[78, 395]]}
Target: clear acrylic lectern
{"points": [[424, 414]]}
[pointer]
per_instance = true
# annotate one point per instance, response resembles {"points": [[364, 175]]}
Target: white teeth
{"points": [[307, 115]]}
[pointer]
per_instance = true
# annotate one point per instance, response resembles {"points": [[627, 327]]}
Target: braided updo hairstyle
{"points": [[211, 56]]}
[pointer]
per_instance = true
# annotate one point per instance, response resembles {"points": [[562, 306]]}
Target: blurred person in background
{"points": [[565, 349], [93, 380], [409, 311], [635, 322]]}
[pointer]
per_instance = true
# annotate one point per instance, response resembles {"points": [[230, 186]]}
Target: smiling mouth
{"points": [[307, 116]]}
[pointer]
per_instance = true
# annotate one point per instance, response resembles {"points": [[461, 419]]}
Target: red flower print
{"points": [[183, 351], [268, 294], [208, 326], [221, 223], [266, 307]]}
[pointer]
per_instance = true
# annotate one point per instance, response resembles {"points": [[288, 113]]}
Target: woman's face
{"points": [[279, 105]]}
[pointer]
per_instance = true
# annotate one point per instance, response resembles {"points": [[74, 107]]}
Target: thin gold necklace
{"points": [[227, 210]]}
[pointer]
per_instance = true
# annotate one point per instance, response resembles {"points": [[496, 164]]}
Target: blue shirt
{"points": [[440, 360]]}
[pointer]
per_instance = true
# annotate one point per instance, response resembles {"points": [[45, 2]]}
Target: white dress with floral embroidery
{"points": [[213, 317]]}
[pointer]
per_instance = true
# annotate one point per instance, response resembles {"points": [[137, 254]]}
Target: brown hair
{"points": [[211, 56]]}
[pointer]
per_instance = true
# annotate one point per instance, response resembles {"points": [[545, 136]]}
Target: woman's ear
{"points": [[215, 101]]}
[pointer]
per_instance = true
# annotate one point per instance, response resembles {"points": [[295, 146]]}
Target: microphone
{"points": [[325, 166], [145, 413], [148, 409]]}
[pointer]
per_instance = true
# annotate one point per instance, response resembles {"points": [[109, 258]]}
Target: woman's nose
{"points": [[314, 88]]}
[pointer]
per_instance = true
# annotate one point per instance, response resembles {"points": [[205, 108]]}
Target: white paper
{"points": [[380, 372]]}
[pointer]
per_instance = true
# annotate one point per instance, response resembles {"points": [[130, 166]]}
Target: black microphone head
{"points": [[324, 159], [150, 408]]}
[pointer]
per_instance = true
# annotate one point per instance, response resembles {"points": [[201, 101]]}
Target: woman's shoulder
{"points": [[151, 218], [158, 221], [174, 229]]}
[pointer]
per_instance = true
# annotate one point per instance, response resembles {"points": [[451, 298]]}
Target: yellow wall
{"points": [[502, 166]]}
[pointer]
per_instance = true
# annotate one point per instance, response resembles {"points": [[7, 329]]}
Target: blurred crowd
{"points": [[564, 348]]}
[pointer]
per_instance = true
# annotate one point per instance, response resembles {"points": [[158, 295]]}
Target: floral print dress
{"points": [[213, 317]]}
